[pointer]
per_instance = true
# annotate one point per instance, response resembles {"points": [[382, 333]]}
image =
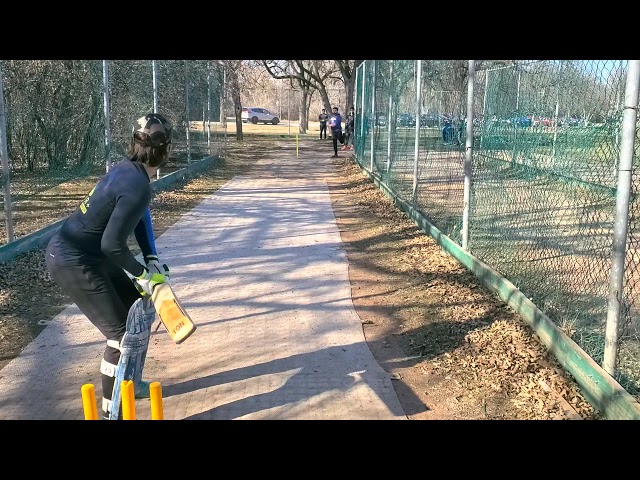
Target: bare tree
{"points": [[299, 73], [230, 78], [315, 75], [348, 69], [241, 76]]}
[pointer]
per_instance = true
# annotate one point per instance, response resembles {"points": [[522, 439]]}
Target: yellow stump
{"points": [[155, 390], [127, 395], [89, 402]]}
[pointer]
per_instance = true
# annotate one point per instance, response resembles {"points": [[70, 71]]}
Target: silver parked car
{"points": [[255, 115]]}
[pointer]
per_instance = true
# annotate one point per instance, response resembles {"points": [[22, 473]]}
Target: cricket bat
{"points": [[172, 314]]}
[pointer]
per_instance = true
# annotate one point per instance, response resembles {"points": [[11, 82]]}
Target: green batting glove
{"points": [[147, 281]]}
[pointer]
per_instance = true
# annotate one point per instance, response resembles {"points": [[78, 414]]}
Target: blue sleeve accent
{"points": [[145, 236]]}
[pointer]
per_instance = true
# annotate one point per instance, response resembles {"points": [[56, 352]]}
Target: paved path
{"points": [[262, 270]]}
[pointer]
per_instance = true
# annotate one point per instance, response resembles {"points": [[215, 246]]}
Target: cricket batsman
{"points": [[88, 258]]}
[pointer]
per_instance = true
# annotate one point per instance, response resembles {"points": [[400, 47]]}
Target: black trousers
{"points": [[103, 293], [323, 129], [334, 139]]}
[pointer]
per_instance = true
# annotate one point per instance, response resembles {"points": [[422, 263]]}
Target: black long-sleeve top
{"points": [[116, 207]]}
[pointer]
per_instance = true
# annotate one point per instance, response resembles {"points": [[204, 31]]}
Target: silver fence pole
{"points": [[223, 107], [186, 100], [154, 70], [468, 156], [155, 85], [364, 80], [416, 150], [373, 110], [4, 154], [107, 114], [389, 112], [616, 279], [209, 112], [356, 123], [485, 122], [554, 140], [289, 109], [223, 97], [518, 92]]}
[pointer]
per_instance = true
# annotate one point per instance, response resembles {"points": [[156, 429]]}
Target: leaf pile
{"points": [[476, 358]]}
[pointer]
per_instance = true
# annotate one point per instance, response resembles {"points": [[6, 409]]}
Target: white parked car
{"points": [[255, 115]]}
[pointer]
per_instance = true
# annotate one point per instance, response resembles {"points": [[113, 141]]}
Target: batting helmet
{"points": [[152, 130]]}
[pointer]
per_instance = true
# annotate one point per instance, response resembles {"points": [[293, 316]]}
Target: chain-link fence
{"points": [[542, 177], [539, 192], [58, 142]]}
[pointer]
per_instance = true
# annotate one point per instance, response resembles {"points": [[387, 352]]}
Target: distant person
{"points": [[461, 129], [323, 117], [447, 132], [335, 123], [349, 130]]}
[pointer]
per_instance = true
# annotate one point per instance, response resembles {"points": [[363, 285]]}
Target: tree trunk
{"points": [[325, 99], [349, 86], [237, 107], [304, 121], [234, 90]]}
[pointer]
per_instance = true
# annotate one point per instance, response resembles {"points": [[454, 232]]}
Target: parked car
{"points": [[256, 115], [520, 121], [539, 121], [429, 120], [569, 122], [381, 119], [406, 120]]}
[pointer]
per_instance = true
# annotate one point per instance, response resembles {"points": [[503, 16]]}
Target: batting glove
{"points": [[154, 266], [147, 281]]}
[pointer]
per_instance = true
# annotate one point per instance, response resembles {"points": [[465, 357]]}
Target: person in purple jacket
{"points": [[335, 124]]}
